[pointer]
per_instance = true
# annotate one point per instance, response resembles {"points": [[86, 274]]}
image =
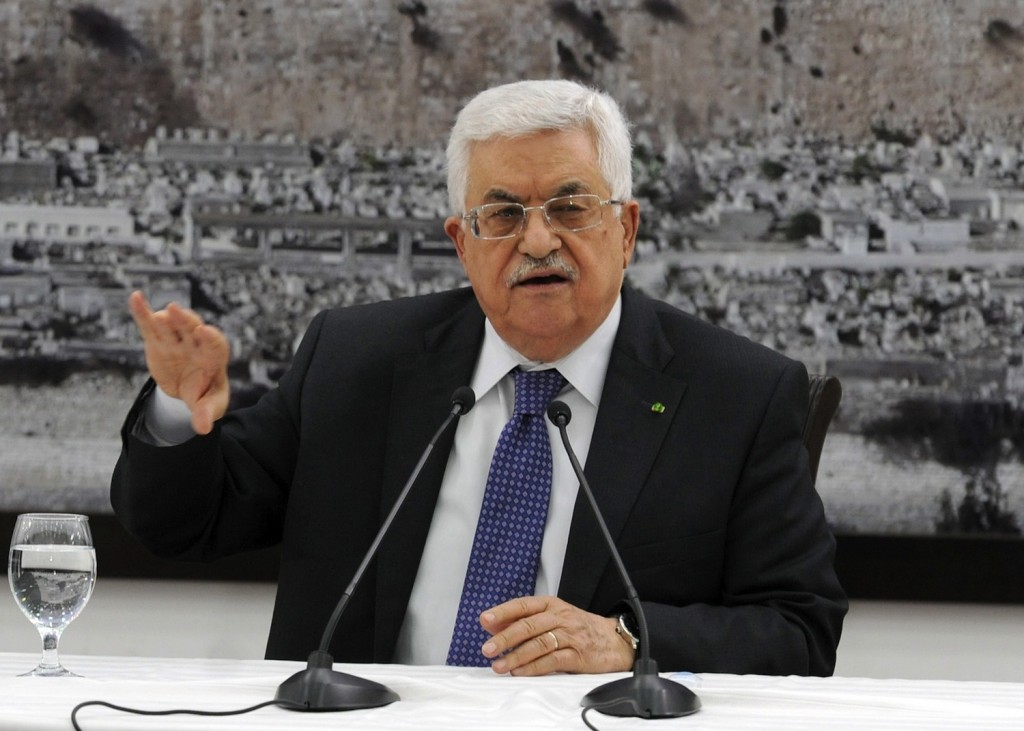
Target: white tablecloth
{"points": [[460, 698]]}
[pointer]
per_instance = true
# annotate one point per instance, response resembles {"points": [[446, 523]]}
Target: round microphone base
{"points": [[642, 696], [319, 688]]}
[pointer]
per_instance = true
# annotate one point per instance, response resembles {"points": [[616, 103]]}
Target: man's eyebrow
{"points": [[572, 187], [501, 195]]}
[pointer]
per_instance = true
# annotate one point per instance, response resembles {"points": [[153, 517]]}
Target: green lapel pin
{"points": [[658, 408]]}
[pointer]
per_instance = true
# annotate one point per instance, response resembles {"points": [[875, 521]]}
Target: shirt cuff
{"points": [[165, 421]]}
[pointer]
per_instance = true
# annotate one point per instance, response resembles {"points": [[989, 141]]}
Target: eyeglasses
{"points": [[565, 214]]}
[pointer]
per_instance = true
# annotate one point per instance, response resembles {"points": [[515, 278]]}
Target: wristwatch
{"points": [[627, 629]]}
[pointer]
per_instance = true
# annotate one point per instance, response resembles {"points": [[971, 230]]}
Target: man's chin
{"points": [[540, 337]]}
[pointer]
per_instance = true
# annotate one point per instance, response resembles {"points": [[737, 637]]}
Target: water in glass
{"points": [[52, 571]]}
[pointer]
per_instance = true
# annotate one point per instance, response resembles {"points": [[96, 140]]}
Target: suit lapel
{"points": [[421, 398], [628, 435]]}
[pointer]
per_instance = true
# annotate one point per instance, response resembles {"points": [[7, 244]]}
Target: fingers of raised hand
{"points": [[211, 344], [142, 313], [186, 357], [202, 362], [172, 324], [175, 324]]}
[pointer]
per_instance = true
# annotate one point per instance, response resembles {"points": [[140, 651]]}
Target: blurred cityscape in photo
{"points": [[839, 180], [896, 264]]}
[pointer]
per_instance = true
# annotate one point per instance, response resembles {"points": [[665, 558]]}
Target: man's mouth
{"points": [[545, 279], [552, 269]]}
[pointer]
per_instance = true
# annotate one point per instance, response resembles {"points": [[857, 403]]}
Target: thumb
{"points": [[202, 420], [211, 406]]}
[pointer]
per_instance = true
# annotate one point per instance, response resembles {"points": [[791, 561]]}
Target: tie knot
{"points": [[536, 389]]}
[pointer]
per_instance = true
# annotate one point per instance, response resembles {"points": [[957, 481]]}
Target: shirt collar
{"points": [[584, 368]]}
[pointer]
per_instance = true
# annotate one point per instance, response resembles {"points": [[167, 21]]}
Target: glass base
{"points": [[56, 671]]}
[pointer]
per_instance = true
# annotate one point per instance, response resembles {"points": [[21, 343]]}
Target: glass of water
{"points": [[52, 570]]}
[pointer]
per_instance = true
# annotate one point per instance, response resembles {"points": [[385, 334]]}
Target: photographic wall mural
{"points": [[841, 181]]}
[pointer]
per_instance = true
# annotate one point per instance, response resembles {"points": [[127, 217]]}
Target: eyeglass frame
{"points": [[473, 213]]}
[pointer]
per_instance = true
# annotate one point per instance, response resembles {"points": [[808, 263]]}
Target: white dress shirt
{"points": [[430, 617]]}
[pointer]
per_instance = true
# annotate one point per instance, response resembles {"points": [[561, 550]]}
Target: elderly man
{"points": [[691, 437]]}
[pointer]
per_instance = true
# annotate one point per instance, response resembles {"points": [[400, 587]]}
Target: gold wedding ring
{"points": [[554, 639]]}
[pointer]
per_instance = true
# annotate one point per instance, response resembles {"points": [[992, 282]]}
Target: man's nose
{"points": [[537, 239]]}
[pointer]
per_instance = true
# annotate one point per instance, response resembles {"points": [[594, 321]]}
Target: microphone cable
{"points": [[241, 711], [600, 708], [174, 712]]}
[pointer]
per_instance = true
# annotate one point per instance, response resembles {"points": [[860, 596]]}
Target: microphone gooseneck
{"points": [[646, 694], [318, 687]]}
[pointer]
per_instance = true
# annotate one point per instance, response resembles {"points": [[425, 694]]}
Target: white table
{"points": [[459, 698]]}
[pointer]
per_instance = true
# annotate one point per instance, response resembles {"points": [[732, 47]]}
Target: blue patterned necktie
{"points": [[506, 548]]}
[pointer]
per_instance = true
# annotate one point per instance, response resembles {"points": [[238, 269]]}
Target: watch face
{"points": [[627, 627]]}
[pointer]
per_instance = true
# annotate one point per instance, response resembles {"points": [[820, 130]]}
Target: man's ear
{"points": [[630, 220], [457, 233]]}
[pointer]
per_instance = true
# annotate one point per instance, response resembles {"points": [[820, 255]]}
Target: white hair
{"points": [[525, 107]]}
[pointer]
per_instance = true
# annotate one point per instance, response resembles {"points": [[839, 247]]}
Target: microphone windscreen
{"points": [[464, 398], [559, 413]]}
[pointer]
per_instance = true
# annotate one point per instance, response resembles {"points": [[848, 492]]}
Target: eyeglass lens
{"points": [[567, 213]]}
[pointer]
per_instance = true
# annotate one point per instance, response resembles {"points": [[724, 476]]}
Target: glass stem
{"points": [[50, 639]]}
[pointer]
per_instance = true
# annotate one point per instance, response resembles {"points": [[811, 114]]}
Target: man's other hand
{"points": [[537, 635]]}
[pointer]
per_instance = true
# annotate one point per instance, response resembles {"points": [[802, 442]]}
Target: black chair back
{"points": [[825, 394]]}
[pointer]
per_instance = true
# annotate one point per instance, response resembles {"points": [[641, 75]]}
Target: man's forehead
{"points": [[545, 164]]}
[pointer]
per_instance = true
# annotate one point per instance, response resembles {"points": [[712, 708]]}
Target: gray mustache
{"points": [[553, 263]]}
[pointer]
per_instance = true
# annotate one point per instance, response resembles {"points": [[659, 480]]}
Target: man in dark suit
{"points": [[691, 437]]}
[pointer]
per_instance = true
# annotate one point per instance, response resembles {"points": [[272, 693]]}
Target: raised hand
{"points": [[187, 358]]}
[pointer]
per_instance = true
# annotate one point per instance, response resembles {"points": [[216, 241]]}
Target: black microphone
{"points": [[646, 694], [318, 687]]}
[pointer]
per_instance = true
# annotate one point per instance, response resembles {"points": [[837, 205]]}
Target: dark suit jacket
{"points": [[710, 501]]}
